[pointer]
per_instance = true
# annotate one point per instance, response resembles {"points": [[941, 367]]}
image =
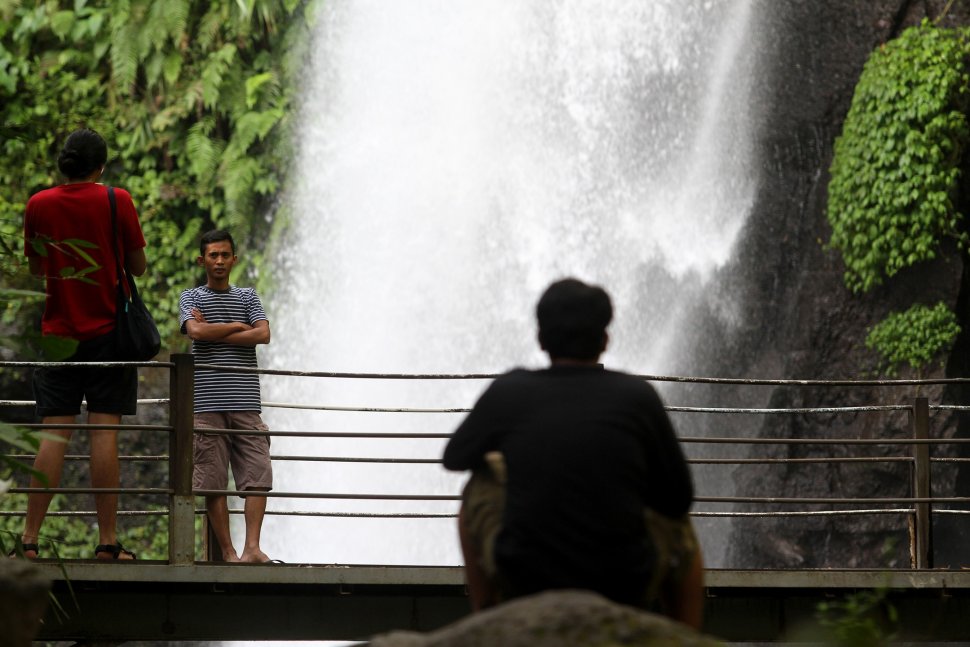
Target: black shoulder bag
{"points": [[136, 336]]}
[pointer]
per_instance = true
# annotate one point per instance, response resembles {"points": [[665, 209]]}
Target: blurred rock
{"points": [[555, 619], [23, 599]]}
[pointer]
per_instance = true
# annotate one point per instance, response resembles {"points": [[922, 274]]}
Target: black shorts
{"points": [[59, 390]]}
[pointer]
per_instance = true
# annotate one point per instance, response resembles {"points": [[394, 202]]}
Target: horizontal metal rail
{"points": [[823, 460], [917, 508]]}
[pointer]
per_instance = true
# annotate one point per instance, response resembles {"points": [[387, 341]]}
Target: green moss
{"points": [[896, 165], [895, 177]]}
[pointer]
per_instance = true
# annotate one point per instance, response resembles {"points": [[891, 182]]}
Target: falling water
{"points": [[456, 156]]}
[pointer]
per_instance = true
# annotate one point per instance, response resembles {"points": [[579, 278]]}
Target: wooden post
{"points": [[923, 548], [181, 515]]}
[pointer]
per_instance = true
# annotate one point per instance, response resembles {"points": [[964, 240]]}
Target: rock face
{"points": [[554, 619], [800, 321]]}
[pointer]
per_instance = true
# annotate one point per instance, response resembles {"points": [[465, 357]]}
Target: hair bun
{"points": [[83, 152]]}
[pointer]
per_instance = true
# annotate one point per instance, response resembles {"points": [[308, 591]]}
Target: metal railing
{"points": [[918, 508]]}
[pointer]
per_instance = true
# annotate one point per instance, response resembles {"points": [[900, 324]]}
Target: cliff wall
{"points": [[801, 321]]}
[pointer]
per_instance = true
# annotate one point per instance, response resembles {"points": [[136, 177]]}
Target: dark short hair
{"points": [[573, 317], [216, 236], [83, 152]]}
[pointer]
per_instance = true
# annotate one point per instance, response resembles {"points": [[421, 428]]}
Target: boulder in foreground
{"points": [[555, 619]]}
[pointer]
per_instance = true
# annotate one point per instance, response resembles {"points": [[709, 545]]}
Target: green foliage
{"points": [[75, 536], [67, 537], [861, 619], [896, 164], [914, 337], [193, 98], [27, 344], [21, 439]]}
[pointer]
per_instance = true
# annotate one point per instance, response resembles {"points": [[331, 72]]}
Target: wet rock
{"points": [[554, 619]]}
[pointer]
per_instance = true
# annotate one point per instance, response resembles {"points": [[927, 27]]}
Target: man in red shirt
{"points": [[69, 240]]}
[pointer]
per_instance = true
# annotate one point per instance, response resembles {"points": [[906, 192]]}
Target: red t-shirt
{"points": [[73, 224]]}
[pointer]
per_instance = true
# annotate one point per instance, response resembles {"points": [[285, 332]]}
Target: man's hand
{"points": [[198, 316]]}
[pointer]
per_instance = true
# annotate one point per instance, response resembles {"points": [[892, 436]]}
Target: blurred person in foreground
{"points": [[578, 479]]}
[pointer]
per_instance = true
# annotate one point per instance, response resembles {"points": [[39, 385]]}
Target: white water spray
{"points": [[455, 158]]}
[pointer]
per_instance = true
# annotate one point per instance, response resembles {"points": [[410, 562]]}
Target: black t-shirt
{"points": [[586, 451]]}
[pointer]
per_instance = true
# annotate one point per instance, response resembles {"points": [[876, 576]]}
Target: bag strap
{"points": [[132, 290], [114, 230]]}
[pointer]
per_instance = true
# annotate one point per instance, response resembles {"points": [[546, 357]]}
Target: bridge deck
{"points": [[156, 601]]}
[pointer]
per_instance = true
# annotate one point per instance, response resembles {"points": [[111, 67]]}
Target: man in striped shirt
{"points": [[226, 323]]}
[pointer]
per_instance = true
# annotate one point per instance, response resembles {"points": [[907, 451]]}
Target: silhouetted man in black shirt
{"points": [[579, 480]]}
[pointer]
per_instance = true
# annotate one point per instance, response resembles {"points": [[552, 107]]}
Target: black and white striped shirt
{"points": [[220, 390]]}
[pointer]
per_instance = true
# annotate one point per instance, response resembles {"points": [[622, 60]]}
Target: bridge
{"points": [[157, 601], [190, 597]]}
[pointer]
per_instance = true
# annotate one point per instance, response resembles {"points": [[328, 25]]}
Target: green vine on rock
{"points": [[897, 162], [914, 337], [892, 197]]}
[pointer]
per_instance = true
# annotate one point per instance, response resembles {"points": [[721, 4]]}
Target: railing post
{"points": [[181, 514], [921, 484]]}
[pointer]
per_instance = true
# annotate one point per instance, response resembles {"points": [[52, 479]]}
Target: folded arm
{"points": [[235, 332], [204, 331], [256, 334]]}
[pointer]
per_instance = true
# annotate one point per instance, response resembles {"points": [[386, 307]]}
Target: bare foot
{"points": [[231, 557], [254, 557]]}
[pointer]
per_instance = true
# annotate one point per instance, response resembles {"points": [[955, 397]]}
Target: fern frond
{"points": [[254, 126], [176, 18], [238, 179], [204, 152], [172, 67], [253, 86], [124, 57], [153, 69], [210, 26], [212, 74], [146, 27]]}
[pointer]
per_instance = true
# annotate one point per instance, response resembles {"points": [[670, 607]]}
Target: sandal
{"points": [[116, 550], [21, 548]]}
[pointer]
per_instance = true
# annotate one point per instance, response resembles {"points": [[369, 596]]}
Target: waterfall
{"points": [[454, 158]]}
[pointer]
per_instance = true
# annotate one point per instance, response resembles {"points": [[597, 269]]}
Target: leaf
{"points": [[18, 437], [61, 23], [212, 74], [172, 67], [80, 243], [27, 294], [57, 348], [253, 84], [124, 57]]}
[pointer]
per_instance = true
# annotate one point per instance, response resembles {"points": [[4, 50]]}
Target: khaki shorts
{"points": [[483, 501], [248, 455]]}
